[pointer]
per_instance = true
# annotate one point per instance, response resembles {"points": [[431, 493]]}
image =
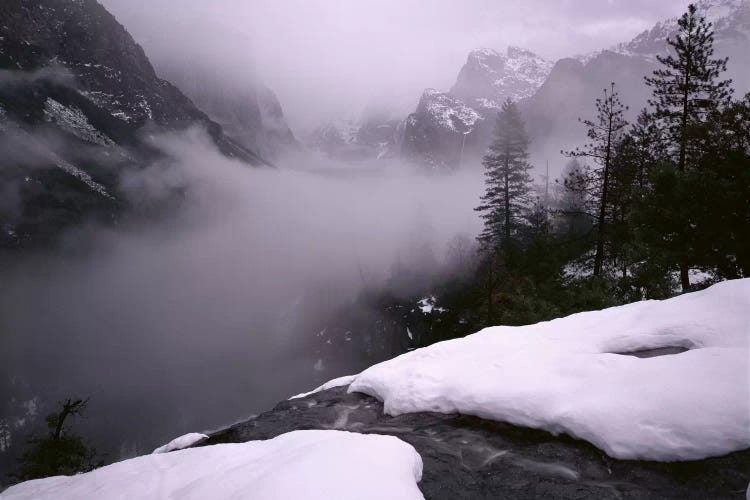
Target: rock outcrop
{"points": [[467, 457]]}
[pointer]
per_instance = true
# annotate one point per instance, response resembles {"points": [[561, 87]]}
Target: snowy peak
{"points": [[445, 129], [372, 136], [339, 132], [489, 77], [447, 111], [438, 132], [731, 20]]}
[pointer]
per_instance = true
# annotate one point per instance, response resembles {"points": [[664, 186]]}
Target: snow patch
{"points": [[73, 120], [330, 465], [337, 382], [66, 166], [564, 376], [448, 112], [429, 304], [184, 441], [516, 74]]}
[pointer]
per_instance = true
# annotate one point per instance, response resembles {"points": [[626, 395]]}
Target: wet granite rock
{"points": [[471, 458]]}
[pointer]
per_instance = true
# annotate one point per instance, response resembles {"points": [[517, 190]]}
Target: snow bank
{"points": [[337, 382], [180, 443], [563, 376], [303, 464]]}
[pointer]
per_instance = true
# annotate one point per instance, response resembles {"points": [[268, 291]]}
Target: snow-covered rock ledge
{"points": [[182, 442], [326, 465], [566, 376]]}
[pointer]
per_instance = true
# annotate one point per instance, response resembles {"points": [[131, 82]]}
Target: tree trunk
{"points": [[685, 101], [599, 257], [490, 290], [684, 276], [507, 203]]}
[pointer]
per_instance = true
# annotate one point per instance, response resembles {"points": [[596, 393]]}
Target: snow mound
{"points": [[337, 382], [326, 465], [566, 376], [180, 443]]}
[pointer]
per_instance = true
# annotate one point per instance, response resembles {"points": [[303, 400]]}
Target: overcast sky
{"points": [[328, 57]]}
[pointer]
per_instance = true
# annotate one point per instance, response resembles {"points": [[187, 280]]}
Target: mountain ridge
{"points": [[79, 98]]}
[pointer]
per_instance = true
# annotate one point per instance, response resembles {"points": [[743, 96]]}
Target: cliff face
{"points": [[248, 111], [489, 78], [373, 135], [437, 134], [75, 93], [449, 129]]}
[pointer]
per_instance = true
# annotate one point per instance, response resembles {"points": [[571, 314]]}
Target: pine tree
{"points": [[721, 194], [604, 133], [507, 199], [686, 90], [61, 452]]}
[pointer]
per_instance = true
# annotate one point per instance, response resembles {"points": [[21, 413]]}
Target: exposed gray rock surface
{"points": [[471, 458]]}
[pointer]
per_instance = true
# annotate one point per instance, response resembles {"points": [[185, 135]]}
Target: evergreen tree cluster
{"points": [[60, 452], [641, 209]]}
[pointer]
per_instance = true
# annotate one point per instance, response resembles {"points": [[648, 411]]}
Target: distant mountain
{"points": [[221, 79], [436, 133], [731, 24], [553, 96], [569, 92], [447, 127], [488, 78], [251, 114], [76, 94], [374, 135]]}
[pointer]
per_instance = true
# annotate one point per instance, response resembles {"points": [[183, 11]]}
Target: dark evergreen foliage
{"points": [[648, 203], [595, 183], [60, 452], [507, 200]]}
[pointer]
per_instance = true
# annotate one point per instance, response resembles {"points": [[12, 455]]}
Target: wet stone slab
{"points": [[470, 458]]}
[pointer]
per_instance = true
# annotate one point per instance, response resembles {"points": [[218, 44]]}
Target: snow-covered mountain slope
{"points": [[76, 90], [436, 133], [336, 137], [553, 96], [489, 78], [569, 92], [446, 127], [373, 135], [325, 465], [730, 20], [592, 375]]}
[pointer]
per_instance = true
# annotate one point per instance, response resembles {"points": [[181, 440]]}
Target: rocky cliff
{"points": [[76, 95]]}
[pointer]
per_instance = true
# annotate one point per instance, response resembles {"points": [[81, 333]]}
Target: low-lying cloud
{"points": [[187, 322]]}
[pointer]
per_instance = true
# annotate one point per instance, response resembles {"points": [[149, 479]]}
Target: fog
{"points": [[189, 322], [328, 58], [195, 318]]}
